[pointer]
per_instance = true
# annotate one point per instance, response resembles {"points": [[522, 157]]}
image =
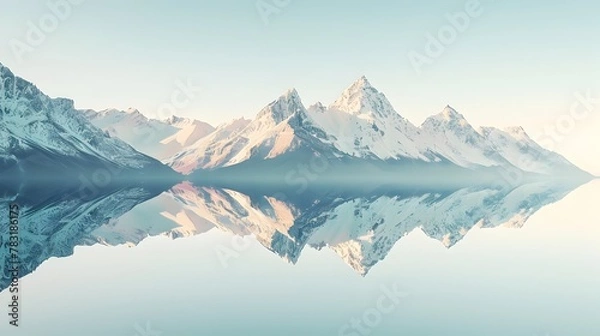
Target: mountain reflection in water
{"points": [[359, 226]]}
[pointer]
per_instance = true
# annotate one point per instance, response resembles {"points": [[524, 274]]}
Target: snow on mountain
{"points": [[272, 133], [450, 135], [199, 154], [36, 130], [515, 146], [160, 139], [190, 130], [362, 123], [361, 98]]}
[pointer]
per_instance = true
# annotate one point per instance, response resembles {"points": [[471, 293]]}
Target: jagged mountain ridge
{"points": [[196, 154], [272, 133], [359, 129], [42, 135], [160, 139], [362, 124]]}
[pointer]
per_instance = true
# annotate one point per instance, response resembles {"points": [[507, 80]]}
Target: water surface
{"points": [[472, 261]]}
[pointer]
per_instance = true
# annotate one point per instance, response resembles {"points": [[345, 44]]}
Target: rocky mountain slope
{"points": [[41, 136]]}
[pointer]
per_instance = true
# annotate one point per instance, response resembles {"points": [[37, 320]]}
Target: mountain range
{"points": [[360, 125], [160, 139], [44, 137], [359, 134]]}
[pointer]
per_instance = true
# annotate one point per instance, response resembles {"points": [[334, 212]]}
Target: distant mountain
{"points": [[359, 134], [45, 137], [525, 153], [208, 151], [160, 139], [271, 134], [453, 137], [361, 124], [361, 127]]}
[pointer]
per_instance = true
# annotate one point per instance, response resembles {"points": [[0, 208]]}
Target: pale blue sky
{"points": [[516, 64]]}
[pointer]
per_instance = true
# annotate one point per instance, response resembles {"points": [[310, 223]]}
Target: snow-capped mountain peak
{"points": [[269, 133], [449, 118], [158, 138], [361, 98], [362, 124], [450, 113], [450, 135], [362, 83], [291, 92], [283, 107], [35, 126]]}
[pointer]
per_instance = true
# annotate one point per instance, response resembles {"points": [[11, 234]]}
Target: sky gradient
{"points": [[515, 64]]}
